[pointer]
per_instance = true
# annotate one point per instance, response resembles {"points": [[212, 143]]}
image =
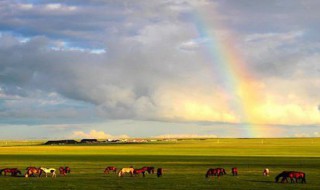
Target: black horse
{"points": [[159, 172]]}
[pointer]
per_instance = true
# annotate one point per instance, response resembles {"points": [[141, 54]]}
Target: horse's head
{"points": [[209, 172], [282, 174]]}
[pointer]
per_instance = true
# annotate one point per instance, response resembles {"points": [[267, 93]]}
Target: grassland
{"points": [[185, 163]]}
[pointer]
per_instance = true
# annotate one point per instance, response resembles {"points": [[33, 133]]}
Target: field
{"points": [[185, 163]]}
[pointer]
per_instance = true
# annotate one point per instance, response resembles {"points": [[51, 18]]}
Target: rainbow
{"points": [[232, 69]]}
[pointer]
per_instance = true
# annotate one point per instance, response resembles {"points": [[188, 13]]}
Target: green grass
{"points": [[184, 162]]}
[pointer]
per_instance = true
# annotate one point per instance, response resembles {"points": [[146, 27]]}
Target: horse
{"points": [[64, 170], [293, 175], [125, 170], [149, 169], [297, 176], [48, 170], [234, 171], [266, 172], [12, 171], [222, 170], [139, 171], [31, 171], [215, 172], [284, 175], [110, 168], [159, 172]]}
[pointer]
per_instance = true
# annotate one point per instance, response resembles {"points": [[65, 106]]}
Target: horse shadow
{"points": [[259, 181], [18, 176]]}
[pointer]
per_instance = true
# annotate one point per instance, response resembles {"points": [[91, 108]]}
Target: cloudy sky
{"points": [[106, 69]]}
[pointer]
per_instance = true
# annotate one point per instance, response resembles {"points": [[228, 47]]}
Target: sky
{"points": [[159, 68]]}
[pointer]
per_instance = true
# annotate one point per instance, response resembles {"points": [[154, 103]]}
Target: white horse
{"points": [[125, 170], [266, 172], [48, 170]]}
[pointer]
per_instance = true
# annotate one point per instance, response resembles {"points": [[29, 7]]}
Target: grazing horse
{"points": [[297, 176], [31, 171], [12, 171], [110, 168], [48, 170], [159, 172], [234, 171], [125, 170], [266, 172], [64, 170], [149, 169], [215, 172], [139, 171], [293, 175], [222, 171], [284, 175]]}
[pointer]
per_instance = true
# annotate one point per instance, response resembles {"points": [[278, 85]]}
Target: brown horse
{"points": [[12, 171], [140, 171], [110, 168], [297, 176], [32, 171], [234, 171], [149, 169], [215, 172], [64, 170], [222, 170]]}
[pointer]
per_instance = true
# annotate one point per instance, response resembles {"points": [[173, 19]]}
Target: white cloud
{"points": [[95, 134], [25, 6], [185, 136], [316, 134], [58, 6]]}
